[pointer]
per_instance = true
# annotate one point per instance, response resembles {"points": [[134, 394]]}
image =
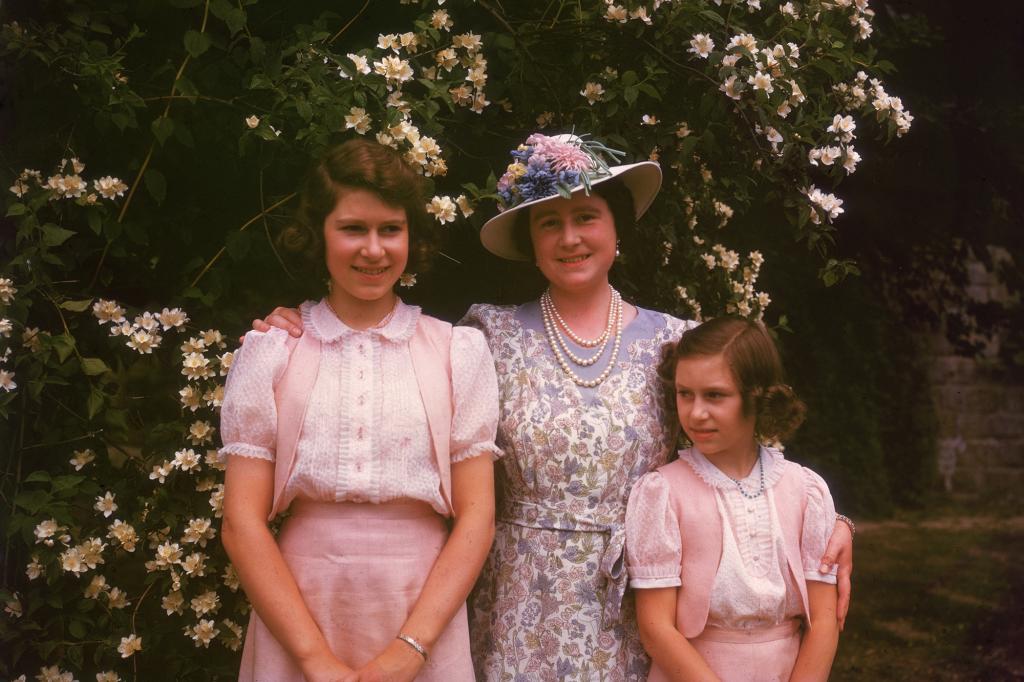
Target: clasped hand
{"points": [[397, 663]]}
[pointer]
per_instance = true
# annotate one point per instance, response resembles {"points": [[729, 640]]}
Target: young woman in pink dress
{"points": [[724, 543], [581, 420], [372, 430]]}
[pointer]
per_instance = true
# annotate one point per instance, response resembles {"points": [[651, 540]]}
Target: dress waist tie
{"points": [[612, 565]]}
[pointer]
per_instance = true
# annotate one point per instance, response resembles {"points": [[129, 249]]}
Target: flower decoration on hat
{"points": [[547, 166]]}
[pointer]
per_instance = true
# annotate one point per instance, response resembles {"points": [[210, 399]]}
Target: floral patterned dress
{"points": [[551, 603]]}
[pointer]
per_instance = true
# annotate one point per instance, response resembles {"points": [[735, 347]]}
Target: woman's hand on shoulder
{"points": [[840, 551], [288, 319], [399, 662]]}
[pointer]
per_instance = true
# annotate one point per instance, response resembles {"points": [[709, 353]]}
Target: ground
{"points": [[937, 598]]}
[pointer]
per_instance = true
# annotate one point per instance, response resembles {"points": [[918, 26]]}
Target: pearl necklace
{"points": [[760, 491], [579, 341], [548, 312]]}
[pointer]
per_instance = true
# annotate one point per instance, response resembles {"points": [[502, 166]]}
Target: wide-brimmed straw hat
{"points": [[545, 168]]}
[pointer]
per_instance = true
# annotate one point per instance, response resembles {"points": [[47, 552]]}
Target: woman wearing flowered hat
{"points": [[581, 419]]}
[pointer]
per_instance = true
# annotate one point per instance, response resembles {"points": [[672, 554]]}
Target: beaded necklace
{"points": [[760, 491], [553, 324]]}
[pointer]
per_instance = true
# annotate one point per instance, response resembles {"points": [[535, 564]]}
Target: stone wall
{"points": [[980, 410]]}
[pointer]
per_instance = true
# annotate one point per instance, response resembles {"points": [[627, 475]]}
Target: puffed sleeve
{"points": [[819, 521], [474, 396], [653, 548], [248, 416]]}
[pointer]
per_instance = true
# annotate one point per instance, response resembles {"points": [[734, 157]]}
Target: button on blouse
{"points": [[365, 436], [752, 587]]}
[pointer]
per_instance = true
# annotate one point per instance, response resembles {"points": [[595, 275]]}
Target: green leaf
{"points": [[162, 128], [650, 91], [94, 403], [32, 500], [186, 88], [37, 476], [630, 94], [66, 482], [95, 221], [54, 235], [628, 78], [828, 67], [77, 306], [235, 20], [94, 366], [713, 17], [77, 629], [196, 43], [16, 209], [156, 184], [64, 344]]}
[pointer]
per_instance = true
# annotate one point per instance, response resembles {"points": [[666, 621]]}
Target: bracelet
{"points": [[849, 522], [415, 645]]}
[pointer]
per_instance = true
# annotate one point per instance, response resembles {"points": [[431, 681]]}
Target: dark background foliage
{"points": [[855, 349]]}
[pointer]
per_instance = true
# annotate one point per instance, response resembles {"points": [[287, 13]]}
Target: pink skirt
{"points": [[360, 569], [759, 655]]}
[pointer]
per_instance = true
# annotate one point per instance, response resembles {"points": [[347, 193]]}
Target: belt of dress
{"points": [[613, 563]]}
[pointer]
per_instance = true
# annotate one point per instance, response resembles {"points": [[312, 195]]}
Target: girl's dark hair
{"points": [[756, 367], [359, 164], [620, 203]]}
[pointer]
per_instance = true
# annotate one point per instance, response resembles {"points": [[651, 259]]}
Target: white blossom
{"points": [[441, 21], [729, 87], [161, 471], [358, 119], [761, 81], [7, 290], [110, 187], [361, 64], [443, 209], [129, 645], [172, 602], [105, 504], [594, 92], [701, 45], [203, 632], [394, 69], [124, 533]]}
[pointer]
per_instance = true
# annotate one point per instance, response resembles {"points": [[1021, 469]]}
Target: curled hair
{"points": [[357, 164], [614, 192], [756, 368]]}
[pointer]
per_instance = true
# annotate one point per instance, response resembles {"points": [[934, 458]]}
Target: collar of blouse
{"points": [[326, 326]]}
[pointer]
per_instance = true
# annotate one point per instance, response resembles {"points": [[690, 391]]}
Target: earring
{"points": [[618, 251], [330, 286]]}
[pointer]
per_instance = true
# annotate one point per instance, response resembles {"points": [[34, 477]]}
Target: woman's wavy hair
{"points": [[756, 367], [359, 164]]}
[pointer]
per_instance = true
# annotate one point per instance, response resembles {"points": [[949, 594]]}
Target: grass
{"points": [[936, 599]]}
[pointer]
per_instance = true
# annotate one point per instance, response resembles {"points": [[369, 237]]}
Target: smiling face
{"points": [[366, 248], [710, 407], [573, 241]]}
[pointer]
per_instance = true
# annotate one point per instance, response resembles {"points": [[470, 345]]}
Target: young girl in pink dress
{"points": [[371, 429], [724, 543]]}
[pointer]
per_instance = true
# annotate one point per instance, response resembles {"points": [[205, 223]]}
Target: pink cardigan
{"points": [[700, 528], [432, 364]]}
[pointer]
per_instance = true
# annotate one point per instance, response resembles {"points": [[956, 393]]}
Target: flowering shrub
{"points": [[109, 389]]}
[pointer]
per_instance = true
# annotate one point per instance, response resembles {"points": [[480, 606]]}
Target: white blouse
{"points": [[752, 588], [365, 436]]}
